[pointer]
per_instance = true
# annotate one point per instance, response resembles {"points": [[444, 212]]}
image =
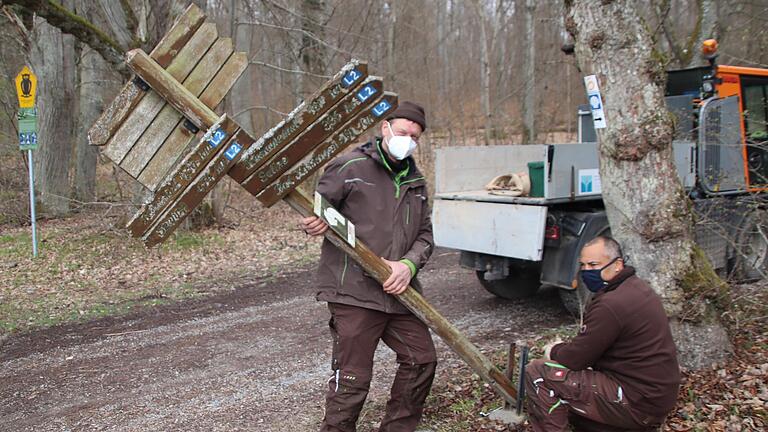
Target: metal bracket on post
{"points": [[140, 83], [191, 126], [522, 362], [506, 413]]}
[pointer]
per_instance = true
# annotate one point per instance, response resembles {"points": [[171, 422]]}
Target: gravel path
{"points": [[254, 359]]}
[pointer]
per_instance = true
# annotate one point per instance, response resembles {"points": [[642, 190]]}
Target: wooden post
{"points": [[174, 93], [416, 303], [509, 371]]}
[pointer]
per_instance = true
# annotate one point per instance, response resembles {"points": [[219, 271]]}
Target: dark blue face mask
{"points": [[592, 278]]}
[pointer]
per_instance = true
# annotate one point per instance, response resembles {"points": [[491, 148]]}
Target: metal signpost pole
{"points": [[26, 87], [32, 202]]}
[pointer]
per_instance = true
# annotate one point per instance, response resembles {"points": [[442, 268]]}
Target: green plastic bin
{"points": [[536, 174]]}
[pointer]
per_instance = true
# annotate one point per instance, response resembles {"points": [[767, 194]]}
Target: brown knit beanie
{"points": [[411, 111]]}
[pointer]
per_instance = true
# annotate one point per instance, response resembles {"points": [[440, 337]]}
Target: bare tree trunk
{"points": [[240, 98], [485, 73], [391, 72], [709, 28], [442, 49], [92, 77], [312, 60], [644, 200], [52, 57], [312, 51], [529, 74]]}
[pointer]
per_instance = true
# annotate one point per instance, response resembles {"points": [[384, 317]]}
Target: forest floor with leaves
{"points": [[88, 269]]}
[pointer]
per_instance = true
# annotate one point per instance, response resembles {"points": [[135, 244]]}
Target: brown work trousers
{"points": [[356, 332], [592, 401]]}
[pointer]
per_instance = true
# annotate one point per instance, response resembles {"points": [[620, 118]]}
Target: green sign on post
{"points": [[27, 128]]}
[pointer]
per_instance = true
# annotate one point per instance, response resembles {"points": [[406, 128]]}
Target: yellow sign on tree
{"points": [[26, 87]]}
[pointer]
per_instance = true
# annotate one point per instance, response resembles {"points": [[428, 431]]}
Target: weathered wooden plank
{"points": [[181, 137], [345, 81], [189, 168], [198, 189], [340, 114], [165, 85], [168, 47], [151, 104], [416, 303], [328, 149], [168, 118]]}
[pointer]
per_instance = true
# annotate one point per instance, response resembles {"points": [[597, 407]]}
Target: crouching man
{"points": [[620, 373]]}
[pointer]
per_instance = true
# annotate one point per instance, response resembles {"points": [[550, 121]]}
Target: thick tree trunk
{"points": [[646, 206], [52, 56], [93, 77]]}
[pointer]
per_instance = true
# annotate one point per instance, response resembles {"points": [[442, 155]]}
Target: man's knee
{"points": [[349, 380]]}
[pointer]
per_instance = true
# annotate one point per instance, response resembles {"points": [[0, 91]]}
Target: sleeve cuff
{"points": [[410, 265]]}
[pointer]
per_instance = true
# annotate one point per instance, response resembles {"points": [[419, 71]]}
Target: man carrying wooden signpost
{"points": [[380, 189], [161, 129]]}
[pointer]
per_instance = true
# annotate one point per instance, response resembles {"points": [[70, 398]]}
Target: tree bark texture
{"points": [[95, 81], [529, 74], [92, 73], [62, 18], [645, 203], [313, 59], [52, 60], [485, 72]]}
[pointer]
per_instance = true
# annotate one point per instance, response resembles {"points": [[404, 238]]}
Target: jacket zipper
{"points": [[408, 214], [344, 271]]}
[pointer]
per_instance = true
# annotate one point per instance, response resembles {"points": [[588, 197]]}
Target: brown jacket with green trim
{"points": [[626, 335], [391, 215]]}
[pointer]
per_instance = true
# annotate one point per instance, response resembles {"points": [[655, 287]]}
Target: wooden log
{"points": [[181, 138], [150, 105], [344, 82], [168, 88], [199, 188], [168, 118], [189, 169], [329, 148], [415, 302], [130, 95], [321, 129]]}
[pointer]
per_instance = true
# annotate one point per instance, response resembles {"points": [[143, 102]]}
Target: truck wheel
{"points": [[519, 284], [575, 300], [751, 256]]}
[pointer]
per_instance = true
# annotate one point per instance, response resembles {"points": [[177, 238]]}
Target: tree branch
{"points": [[82, 29]]}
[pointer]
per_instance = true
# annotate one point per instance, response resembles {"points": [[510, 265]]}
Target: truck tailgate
{"points": [[503, 229]]}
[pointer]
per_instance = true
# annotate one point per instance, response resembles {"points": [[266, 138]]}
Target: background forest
{"points": [[489, 72]]}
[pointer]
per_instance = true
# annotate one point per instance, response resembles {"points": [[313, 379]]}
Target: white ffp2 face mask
{"points": [[400, 147]]}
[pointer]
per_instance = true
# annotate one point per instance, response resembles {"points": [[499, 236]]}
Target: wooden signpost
{"points": [[162, 130]]}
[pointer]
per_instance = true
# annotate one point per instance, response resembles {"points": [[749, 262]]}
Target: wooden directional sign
{"points": [[162, 130]]}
